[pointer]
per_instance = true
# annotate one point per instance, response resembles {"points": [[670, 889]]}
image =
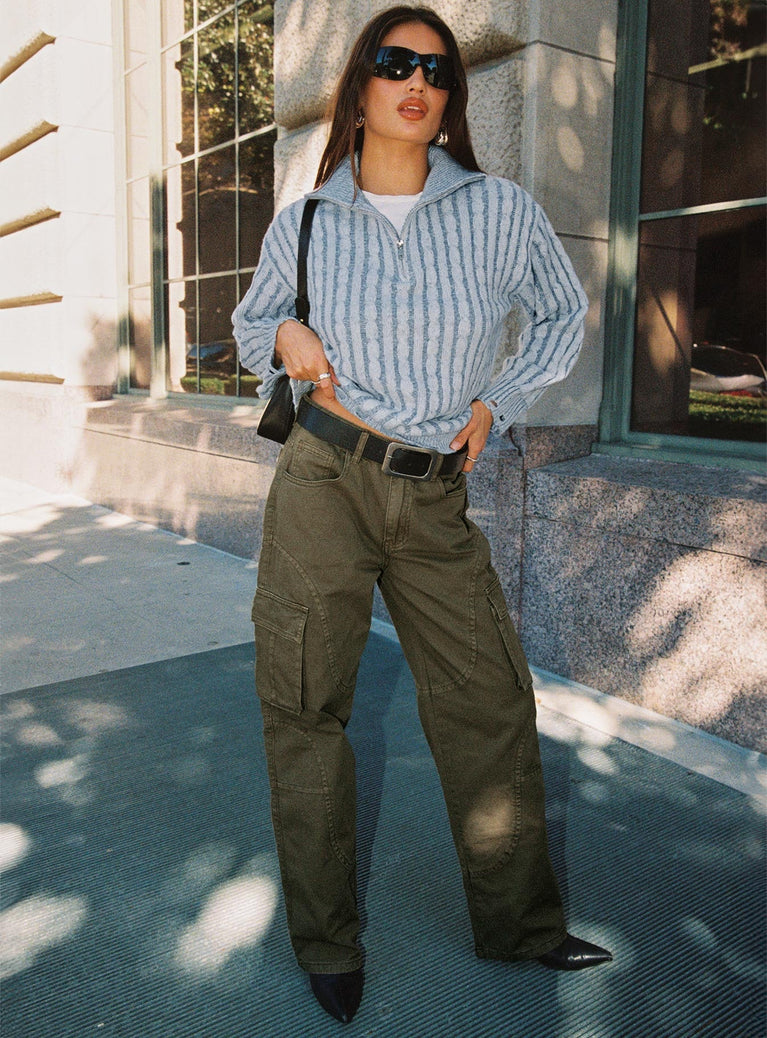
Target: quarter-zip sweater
{"points": [[412, 321]]}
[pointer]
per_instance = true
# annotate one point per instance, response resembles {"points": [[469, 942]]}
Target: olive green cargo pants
{"points": [[334, 526]]}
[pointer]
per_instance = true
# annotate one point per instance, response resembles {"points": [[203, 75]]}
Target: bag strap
{"points": [[302, 299]]}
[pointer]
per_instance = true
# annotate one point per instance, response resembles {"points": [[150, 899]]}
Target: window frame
{"points": [[615, 433], [160, 284]]}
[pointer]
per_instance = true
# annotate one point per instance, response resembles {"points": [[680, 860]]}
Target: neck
{"points": [[396, 169]]}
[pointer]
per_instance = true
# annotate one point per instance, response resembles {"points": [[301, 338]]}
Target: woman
{"points": [[415, 259]]}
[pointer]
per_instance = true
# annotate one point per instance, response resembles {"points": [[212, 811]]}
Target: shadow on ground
{"points": [[141, 894]]}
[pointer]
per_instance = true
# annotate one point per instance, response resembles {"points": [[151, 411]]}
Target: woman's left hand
{"points": [[475, 433]]}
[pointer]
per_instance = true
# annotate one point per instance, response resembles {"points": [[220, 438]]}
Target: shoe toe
{"points": [[575, 954], [339, 994]]}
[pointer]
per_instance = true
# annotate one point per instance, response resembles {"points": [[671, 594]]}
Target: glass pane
{"points": [[215, 83], [140, 335], [249, 382], [177, 18], [256, 66], [217, 202], [217, 350], [699, 367], [705, 114], [207, 8], [137, 121], [256, 195], [139, 237], [135, 33], [178, 101], [182, 332], [181, 221]]}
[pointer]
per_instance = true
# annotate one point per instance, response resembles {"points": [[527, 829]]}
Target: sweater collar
{"points": [[445, 176]]}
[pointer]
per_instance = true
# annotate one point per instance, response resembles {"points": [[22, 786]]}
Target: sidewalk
{"points": [[140, 895]]}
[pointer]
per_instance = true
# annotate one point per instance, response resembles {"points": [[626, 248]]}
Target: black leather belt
{"points": [[395, 459]]}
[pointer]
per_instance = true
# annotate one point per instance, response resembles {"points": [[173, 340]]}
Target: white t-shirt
{"points": [[393, 207]]}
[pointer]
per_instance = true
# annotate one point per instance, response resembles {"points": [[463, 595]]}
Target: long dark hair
{"points": [[346, 137]]}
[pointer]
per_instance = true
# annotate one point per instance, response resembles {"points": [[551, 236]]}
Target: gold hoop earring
{"points": [[442, 138], [359, 122]]}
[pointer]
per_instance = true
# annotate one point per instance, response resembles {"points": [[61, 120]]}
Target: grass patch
{"points": [[217, 385], [722, 416]]}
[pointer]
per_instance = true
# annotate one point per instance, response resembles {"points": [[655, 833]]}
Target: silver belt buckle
{"points": [[388, 465]]}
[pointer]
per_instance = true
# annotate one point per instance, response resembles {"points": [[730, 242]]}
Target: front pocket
{"points": [[280, 626], [454, 486], [508, 633], [314, 461]]}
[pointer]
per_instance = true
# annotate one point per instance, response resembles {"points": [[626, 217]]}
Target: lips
{"points": [[413, 108]]}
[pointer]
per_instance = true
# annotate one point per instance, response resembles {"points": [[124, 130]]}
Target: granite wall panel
{"points": [[649, 590]]}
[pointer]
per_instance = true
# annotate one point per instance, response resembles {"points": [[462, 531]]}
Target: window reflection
{"points": [[140, 337], [177, 18], [140, 251], [180, 221], [207, 8], [256, 195], [137, 121], [181, 331], [705, 113], [699, 361], [189, 304], [135, 33], [256, 66], [178, 101], [215, 83], [216, 352], [216, 192], [700, 329], [217, 86]]}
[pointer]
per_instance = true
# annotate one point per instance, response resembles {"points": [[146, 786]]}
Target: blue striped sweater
{"points": [[412, 323]]}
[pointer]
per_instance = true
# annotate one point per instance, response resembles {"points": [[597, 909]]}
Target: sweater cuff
{"points": [[502, 414], [270, 381]]}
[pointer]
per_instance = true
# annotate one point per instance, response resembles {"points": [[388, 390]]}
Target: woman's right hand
{"points": [[300, 350]]}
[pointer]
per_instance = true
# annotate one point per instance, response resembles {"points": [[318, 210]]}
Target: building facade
{"points": [[145, 146]]}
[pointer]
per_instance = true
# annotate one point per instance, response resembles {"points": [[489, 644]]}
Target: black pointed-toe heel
{"points": [[339, 994], [574, 954]]}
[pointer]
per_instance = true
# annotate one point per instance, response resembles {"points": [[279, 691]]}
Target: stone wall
{"points": [[647, 580]]}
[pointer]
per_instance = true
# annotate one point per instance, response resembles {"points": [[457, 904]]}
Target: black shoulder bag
{"points": [[280, 413]]}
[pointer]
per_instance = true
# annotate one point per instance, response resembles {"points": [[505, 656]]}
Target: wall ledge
{"points": [[695, 506], [175, 422]]}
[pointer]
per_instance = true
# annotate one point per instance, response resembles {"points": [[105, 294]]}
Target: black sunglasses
{"points": [[400, 63]]}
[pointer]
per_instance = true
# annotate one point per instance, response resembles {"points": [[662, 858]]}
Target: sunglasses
{"points": [[400, 63]]}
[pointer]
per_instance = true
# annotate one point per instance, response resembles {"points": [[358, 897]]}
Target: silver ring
{"points": [[325, 374], [469, 458]]}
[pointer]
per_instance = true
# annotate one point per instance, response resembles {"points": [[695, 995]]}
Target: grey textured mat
{"points": [[140, 895]]}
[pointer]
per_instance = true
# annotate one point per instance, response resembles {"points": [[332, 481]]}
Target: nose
{"points": [[416, 81]]}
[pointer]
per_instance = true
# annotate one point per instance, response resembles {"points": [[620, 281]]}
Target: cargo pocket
{"points": [[280, 627], [508, 633]]}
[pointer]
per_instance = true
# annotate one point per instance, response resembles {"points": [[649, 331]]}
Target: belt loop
{"points": [[360, 446]]}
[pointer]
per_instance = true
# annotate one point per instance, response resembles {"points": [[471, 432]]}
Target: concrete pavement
{"points": [[141, 894]]}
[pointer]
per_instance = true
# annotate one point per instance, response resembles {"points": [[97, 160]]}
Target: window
{"points": [[687, 323], [204, 214]]}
